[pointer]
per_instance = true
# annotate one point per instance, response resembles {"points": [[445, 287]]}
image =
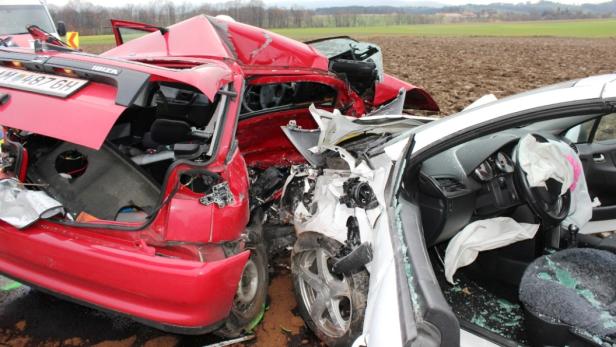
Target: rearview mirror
{"points": [[61, 27]]}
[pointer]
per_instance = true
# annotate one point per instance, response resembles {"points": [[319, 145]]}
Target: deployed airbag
{"points": [[483, 235], [21, 207], [542, 161]]}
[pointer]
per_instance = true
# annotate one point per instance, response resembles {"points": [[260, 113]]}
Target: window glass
{"points": [[606, 131], [266, 97], [129, 34], [581, 132], [15, 18]]}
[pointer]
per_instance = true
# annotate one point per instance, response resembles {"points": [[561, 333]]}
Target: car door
{"points": [[124, 30], [596, 143], [271, 102]]}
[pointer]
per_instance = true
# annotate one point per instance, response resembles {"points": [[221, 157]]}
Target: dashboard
{"points": [[474, 180], [497, 164]]}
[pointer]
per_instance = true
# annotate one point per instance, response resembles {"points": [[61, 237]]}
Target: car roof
{"points": [[594, 87], [203, 36]]}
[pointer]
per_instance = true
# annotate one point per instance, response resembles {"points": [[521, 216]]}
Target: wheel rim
{"points": [[249, 285], [327, 296]]}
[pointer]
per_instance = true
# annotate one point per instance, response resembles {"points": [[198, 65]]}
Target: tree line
{"points": [[92, 19]]}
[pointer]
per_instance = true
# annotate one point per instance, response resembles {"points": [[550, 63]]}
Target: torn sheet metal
{"points": [[328, 215], [302, 140], [483, 235], [393, 107], [542, 161], [336, 128], [21, 207]]}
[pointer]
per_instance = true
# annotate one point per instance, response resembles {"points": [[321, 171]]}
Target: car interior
{"points": [[554, 289], [123, 180]]}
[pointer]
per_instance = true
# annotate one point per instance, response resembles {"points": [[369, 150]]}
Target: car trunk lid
{"points": [[85, 118], [70, 100]]}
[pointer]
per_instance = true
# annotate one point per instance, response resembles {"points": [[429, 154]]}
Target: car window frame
{"points": [[593, 131], [282, 108]]}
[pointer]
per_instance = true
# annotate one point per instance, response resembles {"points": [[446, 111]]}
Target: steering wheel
{"points": [[546, 202]]}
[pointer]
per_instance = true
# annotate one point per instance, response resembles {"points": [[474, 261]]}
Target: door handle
{"points": [[598, 158]]}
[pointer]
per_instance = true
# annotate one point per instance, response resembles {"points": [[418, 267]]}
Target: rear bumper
{"points": [[170, 294]]}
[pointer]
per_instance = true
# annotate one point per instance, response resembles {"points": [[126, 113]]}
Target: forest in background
{"points": [[92, 19]]}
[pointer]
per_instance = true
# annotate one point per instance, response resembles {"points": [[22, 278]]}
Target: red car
{"points": [[132, 181]]}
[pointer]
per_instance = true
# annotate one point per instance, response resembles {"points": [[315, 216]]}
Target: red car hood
{"points": [[204, 36]]}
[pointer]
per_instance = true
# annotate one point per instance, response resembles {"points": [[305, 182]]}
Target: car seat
{"points": [[570, 298]]}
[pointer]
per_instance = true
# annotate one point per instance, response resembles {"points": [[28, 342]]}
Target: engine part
{"points": [[267, 183], [358, 194], [355, 260], [353, 237], [220, 195]]}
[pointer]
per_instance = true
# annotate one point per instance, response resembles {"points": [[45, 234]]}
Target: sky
{"points": [[279, 2]]}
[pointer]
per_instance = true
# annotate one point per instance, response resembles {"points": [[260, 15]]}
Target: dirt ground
{"points": [[456, 71]]}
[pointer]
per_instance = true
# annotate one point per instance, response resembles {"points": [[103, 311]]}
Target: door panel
{"points": [[598, 155], [124, 30]]}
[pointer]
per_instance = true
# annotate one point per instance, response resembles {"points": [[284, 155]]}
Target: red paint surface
{"points": [[93, 108], [123, 270], [170, 291], [21, 40], [194, 37], [416, 98], [263, 144]]}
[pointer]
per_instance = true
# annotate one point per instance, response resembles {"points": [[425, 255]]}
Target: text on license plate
{"points": [[40, 83]]}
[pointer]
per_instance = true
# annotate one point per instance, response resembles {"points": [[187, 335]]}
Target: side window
{"points": [[281, 96], [581, 132], [129, 34], [606, 131]]}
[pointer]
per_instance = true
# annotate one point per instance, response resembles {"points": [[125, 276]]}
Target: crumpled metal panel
{"points": [[21, 207]]}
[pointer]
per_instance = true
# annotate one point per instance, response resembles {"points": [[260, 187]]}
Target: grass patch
{"points": [[576, 28]]}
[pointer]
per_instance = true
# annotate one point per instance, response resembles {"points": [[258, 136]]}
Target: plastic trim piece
{"points": [[129, 83]]}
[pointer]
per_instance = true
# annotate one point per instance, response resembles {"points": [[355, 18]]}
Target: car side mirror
{"points": [[61, 27], [169, 131]]}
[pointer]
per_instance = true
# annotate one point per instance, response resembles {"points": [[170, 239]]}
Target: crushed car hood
{"points": [[204, 36]]}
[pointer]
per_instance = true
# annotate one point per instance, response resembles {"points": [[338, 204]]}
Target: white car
{"points": [[477, 229], [16, 15]]}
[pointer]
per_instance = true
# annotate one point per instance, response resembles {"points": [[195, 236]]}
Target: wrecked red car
{"points": [[133, 181]]}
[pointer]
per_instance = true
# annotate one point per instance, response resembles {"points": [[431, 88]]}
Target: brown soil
{"points": [[456, 71]]}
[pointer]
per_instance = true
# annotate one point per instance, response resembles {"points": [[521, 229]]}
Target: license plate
{"points": [[36, 82]]}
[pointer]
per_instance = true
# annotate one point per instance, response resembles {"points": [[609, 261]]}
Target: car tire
{"points": [[336, 314], [251, 296]]}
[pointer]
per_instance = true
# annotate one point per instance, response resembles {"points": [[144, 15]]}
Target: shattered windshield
{"points": [[15, 18], [347, 48]]}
